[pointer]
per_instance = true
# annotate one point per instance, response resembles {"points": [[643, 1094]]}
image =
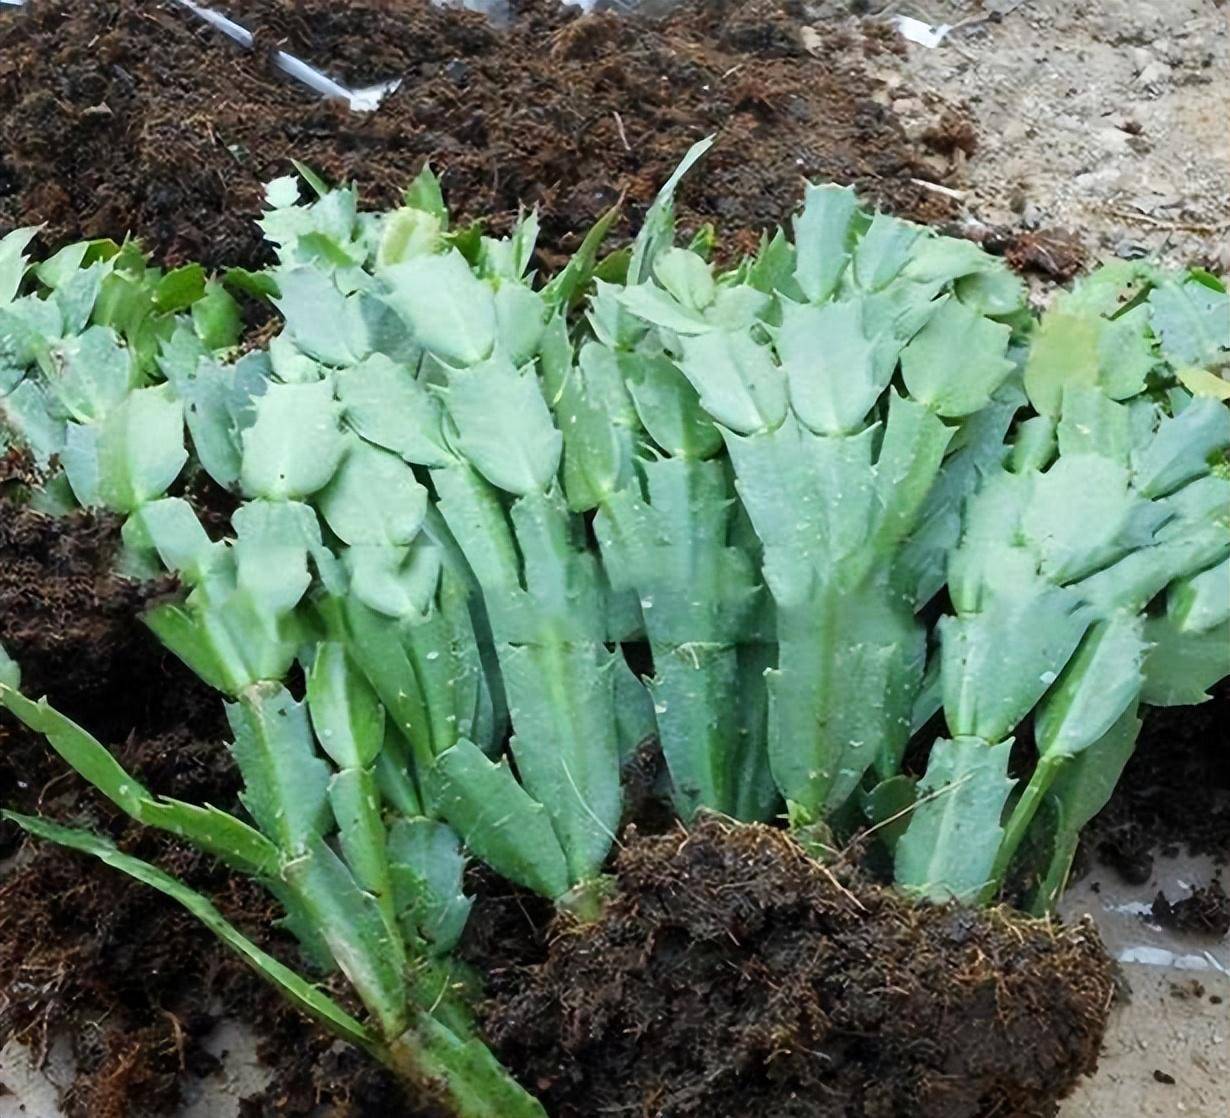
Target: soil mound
{"points": [[733, 975], [132, 115]]}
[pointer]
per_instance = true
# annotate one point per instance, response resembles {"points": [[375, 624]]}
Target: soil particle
{"points": [[1205, 911], [733, 975], [120, 115]]}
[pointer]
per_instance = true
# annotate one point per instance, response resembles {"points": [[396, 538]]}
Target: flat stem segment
{"points": [[459, 1075], [1019, 822]]}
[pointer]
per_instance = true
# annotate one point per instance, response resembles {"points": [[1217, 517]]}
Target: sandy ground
{"points": [[1108, 118], [1167, 1051]]}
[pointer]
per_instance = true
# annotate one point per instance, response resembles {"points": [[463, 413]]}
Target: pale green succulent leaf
{"points": [[295, 444], [61, 266], [272, 542], [670, 410], [1082, 789], [171, 527], [520, 322], [354, 799], [395, 581], [427, 865], [635, 721], [883, 250], [216, 317], [499, 821], [76, 296], [1202, 601], [888, 807], [686, 276], [140, 448], [424, 194], [367, 951], [346, 715], [387, 406], [320, 319], [1064, 353], [13, 261], [1078, 512], [658, 307], [565, 744], [835, 371], [994, 291], [999, 662], [286, 783], [1182, 666], [407, 233], [450, 310], [219, 403], [1182, 448], [26, 411], [1192, 319], [739, 383], [1101, 681], [1092, 423], [504, 427], [957, 361], [910, 459], [1034, 445], [596, 451], [1125, 354], [373, 498], [824, 238], [79, 457], [948, 849], [96, 372]]}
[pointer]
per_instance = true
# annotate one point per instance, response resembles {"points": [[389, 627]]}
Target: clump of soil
{"points": [[733, 975], [132, 115], [1205, 911]]}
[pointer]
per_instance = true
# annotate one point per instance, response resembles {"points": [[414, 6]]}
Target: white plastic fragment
{"points": [[918, 31], [368, 98], [360, 100], [1160, 957], [241, 35]]}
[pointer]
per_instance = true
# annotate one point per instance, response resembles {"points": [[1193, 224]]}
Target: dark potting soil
{"points": [[1174, 795], [732, 975], [132, 115]]}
